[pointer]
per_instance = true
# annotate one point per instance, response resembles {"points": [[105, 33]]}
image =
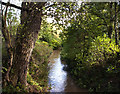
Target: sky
{"points": [[18, 3], [49, 20]]}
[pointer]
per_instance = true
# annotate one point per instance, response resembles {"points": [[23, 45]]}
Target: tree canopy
{"points": [[90, 39]]}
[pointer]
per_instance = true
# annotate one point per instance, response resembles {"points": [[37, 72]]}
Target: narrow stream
{"points": [[59, 80]]}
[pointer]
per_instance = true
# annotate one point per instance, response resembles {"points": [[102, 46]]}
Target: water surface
{"points": [[60, 80]]}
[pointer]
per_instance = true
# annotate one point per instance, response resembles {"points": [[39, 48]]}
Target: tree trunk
{"points": [[26, 37], [8, 45], [115, 22], [119, 23], [111, 22]]}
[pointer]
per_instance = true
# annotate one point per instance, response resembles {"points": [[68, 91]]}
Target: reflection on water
{"points": [[59, 80], [57, 77]]}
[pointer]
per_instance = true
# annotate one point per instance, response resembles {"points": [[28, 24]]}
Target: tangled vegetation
{"points": [[92, 56]]}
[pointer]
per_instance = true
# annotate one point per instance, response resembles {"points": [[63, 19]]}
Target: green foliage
{"points": [[102, 49], [3, 70], [13, 89], [55, 42], [92, 57], [41, 49], [12, 22], [4, 58], [94, 65], [49, 35], [38, 73], [31, 81]]}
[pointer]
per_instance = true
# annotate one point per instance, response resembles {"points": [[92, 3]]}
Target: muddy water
{"points": [[59, 80]]}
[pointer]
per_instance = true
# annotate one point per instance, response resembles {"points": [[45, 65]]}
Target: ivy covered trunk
{"points": [[25, 40]]}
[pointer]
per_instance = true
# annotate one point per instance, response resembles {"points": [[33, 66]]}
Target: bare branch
{"points": [[50, 6], [12, 5], [6, 13], [7, 37]]}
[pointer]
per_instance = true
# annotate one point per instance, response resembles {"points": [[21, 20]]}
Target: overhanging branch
{"points": [[50, 6], [12, 5], [20, 8]]}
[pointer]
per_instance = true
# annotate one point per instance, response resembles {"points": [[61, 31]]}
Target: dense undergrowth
{"points": [[38, 72], [93, 62], [91, 48]]}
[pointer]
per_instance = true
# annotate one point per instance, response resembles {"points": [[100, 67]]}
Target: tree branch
{"points": [[50, 6], [20, 8], [7, 37], [12, 5], [99, 17]]}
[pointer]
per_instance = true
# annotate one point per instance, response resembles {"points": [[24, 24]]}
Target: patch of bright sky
{"points": [[50, 20], [18, 3]]}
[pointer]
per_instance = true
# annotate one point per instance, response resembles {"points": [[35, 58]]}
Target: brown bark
{"points": [[119, 19], [115, 22], [25, 41], [9, 47], [111, 22]]}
